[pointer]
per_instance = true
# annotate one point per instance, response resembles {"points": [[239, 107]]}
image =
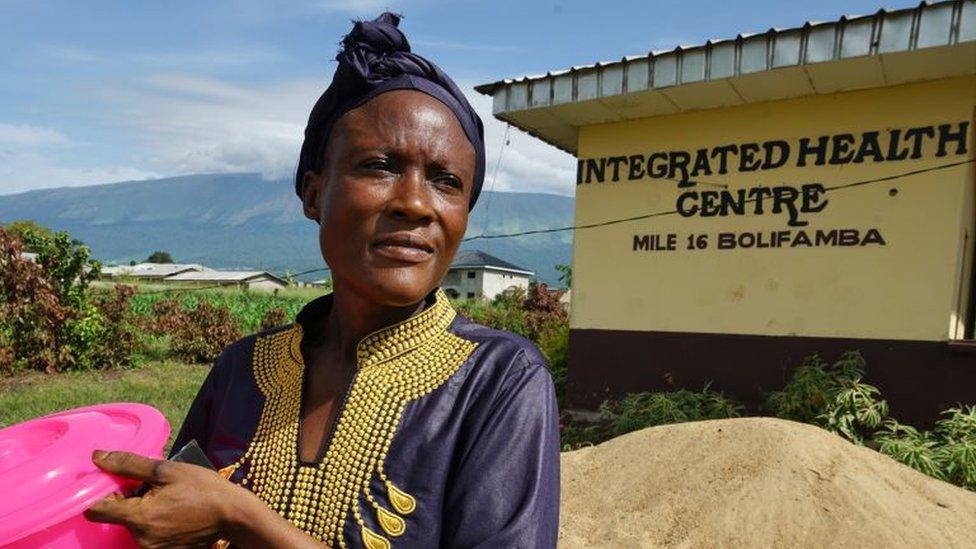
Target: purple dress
{"points": [[447, 437]]}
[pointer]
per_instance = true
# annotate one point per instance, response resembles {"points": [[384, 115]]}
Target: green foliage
{"points": [[832, 396], [554, 344], [909, 446], [23, 227], [160, 256], [948, 452], [565, 274], [855, 410], [66, 262], [49, 319], [117, 339], [197, 333], [640, 410], [247, 309]]}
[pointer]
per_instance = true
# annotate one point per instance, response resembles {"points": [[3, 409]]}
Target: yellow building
{"points": [[750, 201]]}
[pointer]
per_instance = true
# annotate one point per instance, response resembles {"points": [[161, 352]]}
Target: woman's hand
{"points": [[186, 505]]}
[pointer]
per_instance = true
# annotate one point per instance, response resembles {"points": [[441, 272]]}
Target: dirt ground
{"points": [[754, 482]]}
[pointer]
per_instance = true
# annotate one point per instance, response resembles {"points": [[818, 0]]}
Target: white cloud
{"points": [[31, 157], [28, 170], [189, 124], [23, 135], [527, 163], [178, 124], [194, 125]]}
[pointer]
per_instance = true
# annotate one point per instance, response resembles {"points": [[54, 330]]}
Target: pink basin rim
{"points": [[46, 473]]}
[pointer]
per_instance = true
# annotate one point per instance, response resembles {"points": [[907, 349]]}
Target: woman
{"points": [[380, 418]]}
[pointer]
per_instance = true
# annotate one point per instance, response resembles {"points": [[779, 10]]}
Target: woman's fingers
{"points": [[114, 509], [130, 465]]}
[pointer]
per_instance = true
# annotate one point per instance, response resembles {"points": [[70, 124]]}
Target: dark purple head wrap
{"points": [[376, 58]]}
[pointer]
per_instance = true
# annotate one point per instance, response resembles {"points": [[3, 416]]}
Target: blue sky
{"points": [[98, 91]]}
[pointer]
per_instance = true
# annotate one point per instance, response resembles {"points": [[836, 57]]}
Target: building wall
{"points": [[650, 320], [486, 284], [459, 281], [907, 289], [264, 284], [496, 282]]}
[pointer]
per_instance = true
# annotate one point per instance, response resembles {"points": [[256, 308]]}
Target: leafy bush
{"points": [[640, 410], [554, 344], [273, 318], [832, 396], [33, 322], [119, 337], [948, 452], [49, 319], [201, 333], [909, 446]]}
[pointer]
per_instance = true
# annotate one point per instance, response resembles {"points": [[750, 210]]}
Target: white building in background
{"points": [[251, 280], [151, 271], [478, 275]]}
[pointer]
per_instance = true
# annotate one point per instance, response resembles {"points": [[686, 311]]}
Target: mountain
{"points": [[243, 221]]}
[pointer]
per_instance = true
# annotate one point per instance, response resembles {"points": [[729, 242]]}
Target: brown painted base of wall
{"points": [[918, 378]]}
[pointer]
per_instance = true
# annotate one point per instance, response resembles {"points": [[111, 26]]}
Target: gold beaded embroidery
{"points": [[396, 365]]}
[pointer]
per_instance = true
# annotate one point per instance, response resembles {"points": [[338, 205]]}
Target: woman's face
{"points": [[392, 196]]}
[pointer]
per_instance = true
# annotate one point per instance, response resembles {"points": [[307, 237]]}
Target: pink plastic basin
{"points": [[47, 478]]}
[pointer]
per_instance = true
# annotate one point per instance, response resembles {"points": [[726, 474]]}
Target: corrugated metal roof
{"points": [[152, 269], [479, 259], [929, 25], [221, 276]]}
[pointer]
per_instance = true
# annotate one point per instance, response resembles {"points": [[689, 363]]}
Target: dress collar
{"points": [[385, 343]]}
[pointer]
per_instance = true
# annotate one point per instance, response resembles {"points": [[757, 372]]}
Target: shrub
{"points": [[640, 410], [33, 322], [948, 452], [273, 318], [832, 396], [202, 332], [49, 320], [119, 338], [909, 446], [165, 317], [554, 344]]}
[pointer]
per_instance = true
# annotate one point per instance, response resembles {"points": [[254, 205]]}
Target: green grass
{"points": [[169, 386]]}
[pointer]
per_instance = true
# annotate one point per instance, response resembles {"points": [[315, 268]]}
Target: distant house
{"points": [[251, 280], [151, 271], [29, 256], [478, 275]]}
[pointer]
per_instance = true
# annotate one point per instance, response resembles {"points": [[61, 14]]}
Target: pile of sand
{"points": [[755, 482]]}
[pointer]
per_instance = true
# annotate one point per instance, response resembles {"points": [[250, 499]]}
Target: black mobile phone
{"points": [[189, 453], [192, 453]]}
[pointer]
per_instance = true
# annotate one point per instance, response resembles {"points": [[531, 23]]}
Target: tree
{"points": [[25, 228], [566, 276], [159, 256]]}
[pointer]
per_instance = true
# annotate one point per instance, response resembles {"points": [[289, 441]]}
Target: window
{"points": [[470, 274], [470, 295]]}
